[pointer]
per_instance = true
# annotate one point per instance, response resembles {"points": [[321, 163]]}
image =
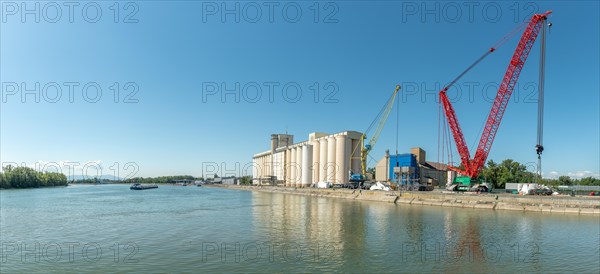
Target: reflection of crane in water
{"points": [[502, 243], [463, 243]]}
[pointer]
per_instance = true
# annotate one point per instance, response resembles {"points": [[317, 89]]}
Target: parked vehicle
{"points": [[380, 186], [323, 185], [425, 188], [366, 185], [353, 185]]}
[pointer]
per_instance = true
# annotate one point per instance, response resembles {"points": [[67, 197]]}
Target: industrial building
{"points": [[322, 158], [410, 168]]}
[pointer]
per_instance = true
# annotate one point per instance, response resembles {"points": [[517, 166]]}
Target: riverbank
{"points": [[544, 204]]}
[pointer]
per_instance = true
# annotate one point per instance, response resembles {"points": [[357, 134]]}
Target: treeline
{"points": [[95, 180], [160, 180], [26, 177], [510, 171], [567, 181]]}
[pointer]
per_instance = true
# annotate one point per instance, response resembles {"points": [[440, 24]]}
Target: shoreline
{"points": [[583, 205]]}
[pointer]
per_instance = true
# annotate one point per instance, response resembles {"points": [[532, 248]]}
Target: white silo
{"points": [[348, 158], [316, 154], [265, 167], [355, 162], [278, 165], [255, 173], [323, 160], [306, 165], [287, 166], [298, 179], [341, 159], [261, 168], [331, 164], [293, 167]]}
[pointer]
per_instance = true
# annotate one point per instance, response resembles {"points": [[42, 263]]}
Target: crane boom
{"points": [[472, 167], [381, 119]]}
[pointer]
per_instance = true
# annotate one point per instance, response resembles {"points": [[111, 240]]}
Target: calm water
{"points": [[190, 229]]}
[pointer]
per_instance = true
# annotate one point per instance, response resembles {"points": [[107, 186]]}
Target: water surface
{"points": [[189, 229]]}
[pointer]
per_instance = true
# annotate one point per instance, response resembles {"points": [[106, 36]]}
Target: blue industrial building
{"points": [[409, 168], [404, 160]]}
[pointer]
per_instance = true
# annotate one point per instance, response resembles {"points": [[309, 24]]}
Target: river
{"points": [[109, 228]]}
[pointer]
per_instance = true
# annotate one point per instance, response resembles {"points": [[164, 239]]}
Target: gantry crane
{"points": [[380, 121], [472, 167]]}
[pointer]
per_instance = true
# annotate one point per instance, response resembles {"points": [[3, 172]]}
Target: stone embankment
{"points": [[552, 204]]}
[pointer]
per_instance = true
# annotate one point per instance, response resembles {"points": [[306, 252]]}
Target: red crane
{"points": [[472, 167]]}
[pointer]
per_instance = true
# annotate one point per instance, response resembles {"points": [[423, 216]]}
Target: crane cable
{"points": [[439, 121], [442, 137], [496, 45], [397, 128], [510, 35], [377, 118], [372, 124], [449, 141], [540, 121]]}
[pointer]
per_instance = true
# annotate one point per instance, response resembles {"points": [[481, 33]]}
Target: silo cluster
{"points": [[322, 158]]}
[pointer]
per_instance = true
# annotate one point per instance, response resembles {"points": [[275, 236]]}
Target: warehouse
{"points": [[411, 168], [322, 158]]}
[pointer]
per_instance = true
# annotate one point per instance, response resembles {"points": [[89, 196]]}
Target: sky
{"points": [[154, 88]]}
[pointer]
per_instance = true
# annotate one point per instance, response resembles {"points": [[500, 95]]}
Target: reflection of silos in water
{"points": [[298, 167], [306, 165], [331, 166], [315, 161], [323, 160], [340, 159], [292, 167], [355, 162]]}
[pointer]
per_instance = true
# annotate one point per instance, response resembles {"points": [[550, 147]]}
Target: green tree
{"points": [[589, 181], [492, 173], [565, 181], [3, 181], [246, 180], [26, 177], [510, 171]]}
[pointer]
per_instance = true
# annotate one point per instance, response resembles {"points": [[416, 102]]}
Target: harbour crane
{"points": [[471, 168], [380, 121]]}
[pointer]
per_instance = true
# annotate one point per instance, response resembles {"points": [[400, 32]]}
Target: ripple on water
{"points": [[186, 229]]}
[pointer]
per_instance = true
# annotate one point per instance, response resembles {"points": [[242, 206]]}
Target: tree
{"points": [[508, 171], [589, 181], [26, 177], [3, 181], [565, 181], [7, 169], [491, 173], [246, 180]]}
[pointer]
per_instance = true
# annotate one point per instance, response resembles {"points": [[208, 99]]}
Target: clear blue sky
{"points": [[175, 52]]}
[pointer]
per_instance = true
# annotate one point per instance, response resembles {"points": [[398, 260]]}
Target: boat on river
{"points": [[138, 186]]}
